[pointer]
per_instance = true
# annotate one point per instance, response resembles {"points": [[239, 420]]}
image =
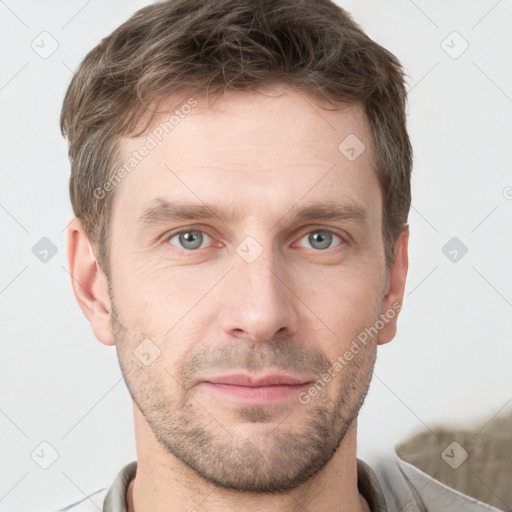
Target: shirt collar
{"points": [[367, 483]]}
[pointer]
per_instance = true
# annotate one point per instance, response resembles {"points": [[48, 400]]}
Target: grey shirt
{"points": [[392, 486]]}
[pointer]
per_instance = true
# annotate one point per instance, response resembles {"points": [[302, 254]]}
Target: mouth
{"points": [[256, 390]]}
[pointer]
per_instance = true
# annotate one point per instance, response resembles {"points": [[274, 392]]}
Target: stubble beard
{"points": [[282, 455]]}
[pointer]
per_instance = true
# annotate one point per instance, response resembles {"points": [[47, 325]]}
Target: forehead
{"points": [[257, 153]]}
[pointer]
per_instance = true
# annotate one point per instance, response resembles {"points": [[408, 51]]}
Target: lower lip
{"points": [[257, 394]]}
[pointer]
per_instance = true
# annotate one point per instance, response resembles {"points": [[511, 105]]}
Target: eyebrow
{"points": [[161, 211]]}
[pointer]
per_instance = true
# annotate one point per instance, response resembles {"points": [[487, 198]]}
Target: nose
{"points": [[258, 300]]}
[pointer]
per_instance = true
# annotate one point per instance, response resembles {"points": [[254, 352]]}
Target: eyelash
{"points": [[167, 238]]}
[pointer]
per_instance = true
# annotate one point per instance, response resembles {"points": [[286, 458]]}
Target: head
{"points": [[241, 175]]}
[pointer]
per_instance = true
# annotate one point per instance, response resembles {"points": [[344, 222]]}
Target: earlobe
{"points": [[395, 286], [89, 284]]}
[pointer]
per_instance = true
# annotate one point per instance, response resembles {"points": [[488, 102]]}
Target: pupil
{"points": [[322, 239], [191, 239]]}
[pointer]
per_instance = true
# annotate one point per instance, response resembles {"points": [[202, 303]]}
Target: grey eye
{"points": [[189, 240], [320, 239]]}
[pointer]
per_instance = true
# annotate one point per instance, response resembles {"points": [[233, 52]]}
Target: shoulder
{"points": [[90, 503], [409, 489], [110, 499]]}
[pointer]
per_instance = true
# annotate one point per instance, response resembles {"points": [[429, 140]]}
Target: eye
{"points": [[321, 239], [191, 239]]}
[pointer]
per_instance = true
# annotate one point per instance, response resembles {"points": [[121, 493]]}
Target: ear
{"points": [[89, 283], [395, 285]]}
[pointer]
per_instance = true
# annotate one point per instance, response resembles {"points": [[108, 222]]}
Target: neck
{"points": [[164, 483]]}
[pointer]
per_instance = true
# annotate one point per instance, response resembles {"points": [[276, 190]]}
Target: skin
{"points": [[295, 309]]}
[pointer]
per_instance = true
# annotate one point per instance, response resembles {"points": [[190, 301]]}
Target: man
{"points": [[241, 185]]}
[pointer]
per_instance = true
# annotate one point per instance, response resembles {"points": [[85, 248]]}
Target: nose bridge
{"points": [[257, 302], [260, 276]]}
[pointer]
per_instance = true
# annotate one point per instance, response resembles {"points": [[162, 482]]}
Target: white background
{"points": [[451, 360]]}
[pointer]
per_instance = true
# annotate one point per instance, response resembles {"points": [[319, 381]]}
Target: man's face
{"points": [[246, 310]]}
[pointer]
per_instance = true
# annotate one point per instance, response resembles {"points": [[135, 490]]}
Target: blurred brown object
{"points": [[486, 473]]}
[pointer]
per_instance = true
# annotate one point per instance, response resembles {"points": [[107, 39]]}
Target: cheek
{"points": [[177, 318], [347, 302], [162, 297]]}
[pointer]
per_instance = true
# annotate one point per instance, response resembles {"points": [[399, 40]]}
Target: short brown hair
{"points": [[198, 47]]}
